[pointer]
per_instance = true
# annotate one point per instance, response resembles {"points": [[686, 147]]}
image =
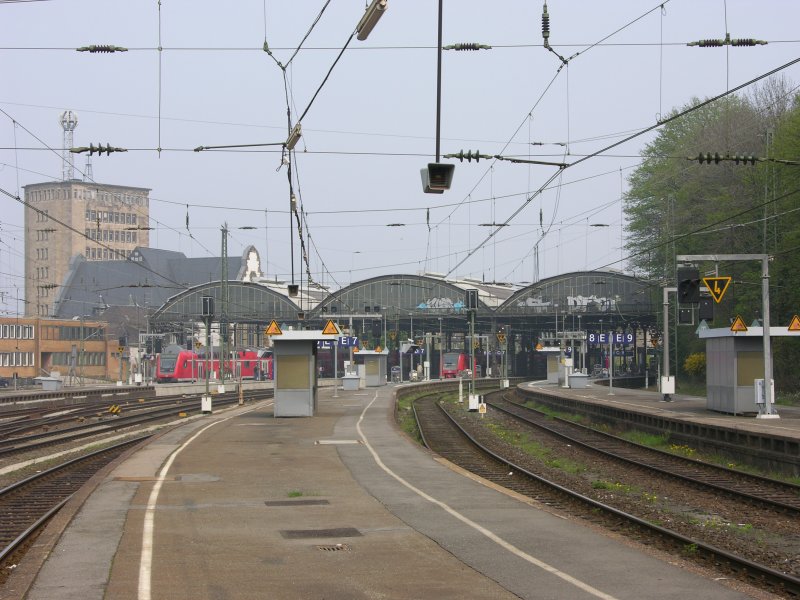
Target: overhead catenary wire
{"points": [[92, 182], [333, 212]]}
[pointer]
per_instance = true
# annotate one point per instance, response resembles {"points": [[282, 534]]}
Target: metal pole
{"points": [[439, 85], [208, 343], [386, 346], [440, 348], [611, 363], [665, 338], [351, 347], [768, 399], [472, 349], [411, 335], [336, 367]]}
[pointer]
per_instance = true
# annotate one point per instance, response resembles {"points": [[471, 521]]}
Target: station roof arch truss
{"points": [[592, 294], [397, 295], [248, 303]]}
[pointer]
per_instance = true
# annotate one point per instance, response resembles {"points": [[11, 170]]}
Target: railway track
{"points": [[26, 506], [491, 459], [67, 428], [756, 490]]}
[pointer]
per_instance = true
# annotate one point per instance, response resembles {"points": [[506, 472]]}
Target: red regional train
{"points": [[453, 364], [176, 363]]}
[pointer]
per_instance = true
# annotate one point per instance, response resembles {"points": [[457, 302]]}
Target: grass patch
{"points": [[651, 440], [612, 486], [691, 388], [295, 494], [405, 414], [788, 399], [531, 447]]}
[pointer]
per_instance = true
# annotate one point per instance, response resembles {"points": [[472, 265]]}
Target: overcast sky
{"points": [[372, 126]]}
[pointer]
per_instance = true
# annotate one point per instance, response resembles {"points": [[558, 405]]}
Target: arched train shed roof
{"points": [[396, 294], [247, 303], [589, 292]]}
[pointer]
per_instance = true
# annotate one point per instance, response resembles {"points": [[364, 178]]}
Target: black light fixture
{"points": [[437, 177]]}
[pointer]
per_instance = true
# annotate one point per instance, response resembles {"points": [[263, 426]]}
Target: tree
{"points": [[678, 206]]}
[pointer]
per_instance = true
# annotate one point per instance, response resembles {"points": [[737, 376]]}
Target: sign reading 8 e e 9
{"points": [[617, 338]]}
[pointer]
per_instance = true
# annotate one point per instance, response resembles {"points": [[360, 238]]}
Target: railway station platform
{"points": [[342, 505]]}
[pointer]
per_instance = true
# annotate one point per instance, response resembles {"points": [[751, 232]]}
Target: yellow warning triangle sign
{"points": [[355, 348], [738, 324], [717, 286], [330, 328], [273, 329], [378, 349], [795, 324]]}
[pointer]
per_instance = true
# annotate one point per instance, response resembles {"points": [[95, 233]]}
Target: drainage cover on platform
{"points": [[302, 534], [334, 547], [295, 502]]}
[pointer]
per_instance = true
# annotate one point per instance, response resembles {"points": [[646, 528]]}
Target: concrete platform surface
{"points": [[341, 505]]}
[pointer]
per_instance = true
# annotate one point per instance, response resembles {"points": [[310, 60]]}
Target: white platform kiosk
{"points": [[295, 368], [735, 369], [374, 366]]}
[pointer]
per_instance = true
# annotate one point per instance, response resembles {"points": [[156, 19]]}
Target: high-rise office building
{"points": [[65, 218]]}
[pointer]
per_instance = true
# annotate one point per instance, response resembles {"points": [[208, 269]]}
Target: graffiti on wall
{"points": [[442, 304], [578, 303]]}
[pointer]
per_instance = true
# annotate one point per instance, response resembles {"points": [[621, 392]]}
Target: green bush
{"points": [[695, 364]]}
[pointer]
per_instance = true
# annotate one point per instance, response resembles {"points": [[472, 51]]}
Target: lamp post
{"points": [[385, 309], [208, 316], [440, 348], [411, 335]]}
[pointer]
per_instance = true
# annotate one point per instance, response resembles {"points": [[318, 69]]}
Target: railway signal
{"points": [[688, 285]]}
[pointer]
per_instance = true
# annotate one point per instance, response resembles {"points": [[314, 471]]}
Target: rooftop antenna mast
{"points": [[69, 121], [87, 172]]}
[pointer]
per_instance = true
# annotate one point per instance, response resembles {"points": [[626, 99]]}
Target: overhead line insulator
{"points": [[99, 149], [462, 46], [717, 157], [727, 42], [101, 49], [545, 26]]}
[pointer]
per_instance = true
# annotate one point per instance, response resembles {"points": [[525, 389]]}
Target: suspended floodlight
{"points": [[294, 137], [371, 17]]}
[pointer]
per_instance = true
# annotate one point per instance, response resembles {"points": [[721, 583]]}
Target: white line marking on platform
{"points": [[329, 442], [148, 528], [477, 527]]}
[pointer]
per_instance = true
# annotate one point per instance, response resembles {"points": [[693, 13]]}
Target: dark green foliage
{"points": [[679, 206]]}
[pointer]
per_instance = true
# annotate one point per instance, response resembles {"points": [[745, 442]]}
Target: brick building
{"points": [[65, 218], [33, 347]]}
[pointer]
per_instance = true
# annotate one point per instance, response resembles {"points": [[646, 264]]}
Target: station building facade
{"points": [[431, 312], [157, 294]]}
